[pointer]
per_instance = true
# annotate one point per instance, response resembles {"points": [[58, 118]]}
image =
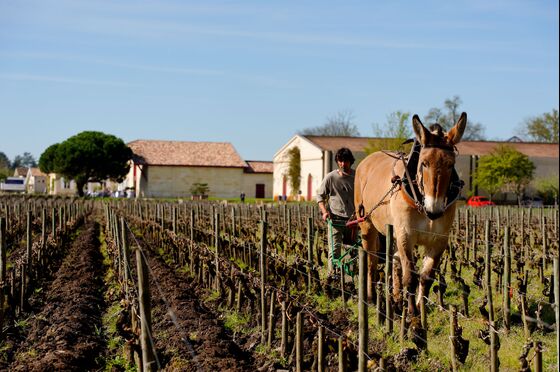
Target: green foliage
{"points": [[392, 134], [237, 322], [25, 160], [198, 188], [88, 157], [4, 161], [505, 169], [5, 173], [547, 188], [489, 175], [294, 169], [542, 128]]}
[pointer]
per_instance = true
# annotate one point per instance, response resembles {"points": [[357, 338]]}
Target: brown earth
{"points": [[64, 328], [188, 335]]}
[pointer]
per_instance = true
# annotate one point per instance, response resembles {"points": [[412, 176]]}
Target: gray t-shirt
{"points": [[338, 191]]}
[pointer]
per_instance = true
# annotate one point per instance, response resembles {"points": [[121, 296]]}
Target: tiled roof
{"points": [[36, 172], [357, 144], [182, 153], [259, 167]]}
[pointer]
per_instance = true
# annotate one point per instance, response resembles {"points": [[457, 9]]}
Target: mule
{"points": [[421, 218]]}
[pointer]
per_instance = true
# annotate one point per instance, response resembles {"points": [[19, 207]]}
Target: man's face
{"points": [[344, 165]]}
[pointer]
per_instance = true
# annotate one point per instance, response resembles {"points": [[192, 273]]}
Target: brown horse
{"points": [[420, 218]]}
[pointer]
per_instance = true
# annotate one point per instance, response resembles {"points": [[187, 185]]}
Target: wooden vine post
{"points": [[453, 326], [299, 342], [557, 304], [29, 243], [507, 279], [362, 310], [217, 246], [124, 253], [493, 341], [263, 277], [309, 253], [389, 241], [284, 331], [2, 267], [321, 349], [148, 356]]}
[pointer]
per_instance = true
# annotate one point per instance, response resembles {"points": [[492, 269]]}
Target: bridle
{"points": [[413, 190], [414, 200]]}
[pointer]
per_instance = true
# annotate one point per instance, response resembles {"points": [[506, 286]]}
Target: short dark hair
{"points": [[344, 154]]}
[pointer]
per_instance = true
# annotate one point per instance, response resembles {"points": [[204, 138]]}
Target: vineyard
{"points": [[118, 285]]}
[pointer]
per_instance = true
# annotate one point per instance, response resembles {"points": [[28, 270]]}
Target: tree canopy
{"points": [[505, 169], [547, 188], [88, 157], [4, 161], [340, 124], [294, 169], [543, 128], [392, 134], [448, 116], [25, 160]]}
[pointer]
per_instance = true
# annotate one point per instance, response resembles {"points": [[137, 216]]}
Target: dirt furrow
{"points": [[188, 336], [66, 334]]}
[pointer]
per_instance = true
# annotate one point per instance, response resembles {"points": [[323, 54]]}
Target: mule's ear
{"points": [[422, 134], [456, 133]]}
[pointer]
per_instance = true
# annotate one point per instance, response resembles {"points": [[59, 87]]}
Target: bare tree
{"points": [[449, 116], [340, 124], [543, 128]]}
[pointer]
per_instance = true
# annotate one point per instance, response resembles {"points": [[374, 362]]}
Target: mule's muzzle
{"points": [[434, 216]]}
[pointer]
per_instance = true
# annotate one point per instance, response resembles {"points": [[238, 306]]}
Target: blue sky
{"points": [[253, 73]]}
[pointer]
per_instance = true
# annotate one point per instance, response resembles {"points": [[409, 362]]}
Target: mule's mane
{"points": [[438, 139]]}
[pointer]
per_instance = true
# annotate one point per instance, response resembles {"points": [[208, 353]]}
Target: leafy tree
{"points": [[489, 175], [340, 124], [26, 160], [88, 157], [542, 128], [294, 169], [392, 134], [4, 161], [547, 188], [5, 170], [505, 167], [448, 116], [5, 173], [198, 188]]}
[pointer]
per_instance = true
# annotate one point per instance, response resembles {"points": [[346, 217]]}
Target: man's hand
{"points": [[324, 212]]}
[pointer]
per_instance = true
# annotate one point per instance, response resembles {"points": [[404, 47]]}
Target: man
{"points": [[335, 197]]}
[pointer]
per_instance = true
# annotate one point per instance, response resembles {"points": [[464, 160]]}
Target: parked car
{"points": [[535, 201], [479, 201]]}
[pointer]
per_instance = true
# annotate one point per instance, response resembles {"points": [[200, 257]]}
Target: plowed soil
{"points": [[64, 329]]}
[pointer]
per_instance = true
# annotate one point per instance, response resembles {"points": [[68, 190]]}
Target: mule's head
{"points": [[436, 162]]}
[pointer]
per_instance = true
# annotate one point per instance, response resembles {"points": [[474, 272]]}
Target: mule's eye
{"points": [[425, 164]]}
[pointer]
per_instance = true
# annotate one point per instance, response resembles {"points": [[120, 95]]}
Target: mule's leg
{"points": [[432, 258], [397, 278], [370, 243], [409, 277]]}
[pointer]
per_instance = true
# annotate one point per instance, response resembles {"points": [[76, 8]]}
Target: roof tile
{"points": [[357, 144], [182, 153], [259, 167]]}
